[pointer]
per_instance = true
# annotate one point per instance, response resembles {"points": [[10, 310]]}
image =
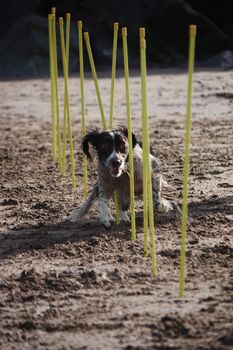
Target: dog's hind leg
{"points": [[124, 216], [78, 213], [163, 195]]}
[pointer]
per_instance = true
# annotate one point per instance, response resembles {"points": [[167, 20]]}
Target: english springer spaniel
{"points": [[112, 151]]}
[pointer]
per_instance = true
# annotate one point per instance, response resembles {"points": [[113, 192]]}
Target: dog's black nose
{"points": [[115, 163]]}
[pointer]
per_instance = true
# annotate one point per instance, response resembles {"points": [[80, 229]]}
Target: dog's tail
{"points": [[79, 213]]}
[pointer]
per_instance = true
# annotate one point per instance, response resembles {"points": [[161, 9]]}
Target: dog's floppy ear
{"points": [[91, 137], [124, 129]]}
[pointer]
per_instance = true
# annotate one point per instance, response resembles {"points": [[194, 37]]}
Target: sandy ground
{"points": [[78, 286]]}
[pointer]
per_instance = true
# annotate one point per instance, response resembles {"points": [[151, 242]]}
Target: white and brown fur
{"points": [[112, 151]]}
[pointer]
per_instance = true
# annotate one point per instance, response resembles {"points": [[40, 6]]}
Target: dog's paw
{"points": [[73, 216], [124, 216], [107, 221], [169, 209], [165, 206]]}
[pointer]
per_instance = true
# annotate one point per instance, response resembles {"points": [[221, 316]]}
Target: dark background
{"points": [[24, 32]]}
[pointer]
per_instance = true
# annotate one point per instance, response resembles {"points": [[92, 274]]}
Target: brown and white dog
{"points": [[112, 149]]}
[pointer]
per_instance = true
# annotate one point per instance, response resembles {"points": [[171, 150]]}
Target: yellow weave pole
{"points": [[81, 68], [146, 154], [145, 165], [92, 64], [131, 163], [192, 40], [56, 86], [114, 56], [65, 70], [54, 138], [68, 17]]}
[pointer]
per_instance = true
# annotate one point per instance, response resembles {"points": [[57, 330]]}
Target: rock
{"points": [[9, 201]]}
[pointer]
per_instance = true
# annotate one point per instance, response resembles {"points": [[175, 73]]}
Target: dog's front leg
{"points": [[105, 215], [124, 204], [122, 190]]}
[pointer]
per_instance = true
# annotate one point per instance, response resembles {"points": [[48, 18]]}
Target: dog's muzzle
{"points": [[115, 166]]}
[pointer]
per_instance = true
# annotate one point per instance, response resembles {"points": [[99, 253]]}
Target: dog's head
{"points": [[112, 148]]}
